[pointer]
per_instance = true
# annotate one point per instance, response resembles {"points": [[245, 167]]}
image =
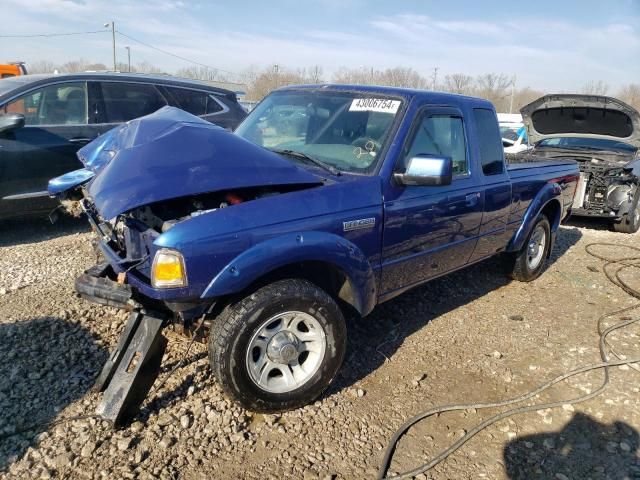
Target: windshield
{"points": [[344, 130], [584, 143], [513, 131]]}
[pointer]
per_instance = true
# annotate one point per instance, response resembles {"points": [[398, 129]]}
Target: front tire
{"points": [[278, 348], [529, 262], [630, 221]]}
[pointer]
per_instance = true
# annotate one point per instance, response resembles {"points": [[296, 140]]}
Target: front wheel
{"points": [[630, 221], [279, 347], [528, 263]]}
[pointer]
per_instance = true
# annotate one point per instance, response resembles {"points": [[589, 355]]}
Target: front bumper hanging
{"points": [[132, 367], [134, 364]]}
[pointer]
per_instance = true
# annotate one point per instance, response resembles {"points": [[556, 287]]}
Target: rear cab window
{"points": [[489, 141], [125, 101]]}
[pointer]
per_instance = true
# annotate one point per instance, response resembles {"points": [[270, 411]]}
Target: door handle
{"points": [[80, 140], [472, 199]]}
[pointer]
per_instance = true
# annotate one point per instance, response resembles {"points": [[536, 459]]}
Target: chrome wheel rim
{"points": [[286, 351], [535, 248]]}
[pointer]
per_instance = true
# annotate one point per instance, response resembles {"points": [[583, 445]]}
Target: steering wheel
{"points": [[367, 144]]}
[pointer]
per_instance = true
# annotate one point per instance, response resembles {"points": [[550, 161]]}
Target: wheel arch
{"points": [[331, 262], [548, 203]]}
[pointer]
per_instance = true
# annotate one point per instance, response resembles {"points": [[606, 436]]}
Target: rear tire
{"points": [[529, 262], [630, 221], [278, 348]]}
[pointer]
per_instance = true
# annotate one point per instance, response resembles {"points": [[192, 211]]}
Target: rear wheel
{"points": [[630, 221], [279, 347], [528, 263]]}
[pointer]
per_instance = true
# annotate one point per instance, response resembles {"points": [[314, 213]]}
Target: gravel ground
{"points": [[472, 336]]}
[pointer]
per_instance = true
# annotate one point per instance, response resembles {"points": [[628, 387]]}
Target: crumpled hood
{"points": [[591, 116], [172, 154]]}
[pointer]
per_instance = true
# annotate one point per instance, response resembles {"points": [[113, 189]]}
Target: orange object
{"points": [[12, 69]]}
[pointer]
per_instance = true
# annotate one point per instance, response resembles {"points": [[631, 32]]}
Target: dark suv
{"points": [[45, 119]]}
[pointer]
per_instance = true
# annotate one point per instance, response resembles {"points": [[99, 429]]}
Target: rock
{"points": [[165, 419], [561, 476], [88, 449], [167, 441], [549, 443], [625, 447], [568, 407], [185, 421], [496, 354], [516, 318], [124, 444], [528, 444], [360, 392], [136, 427]]}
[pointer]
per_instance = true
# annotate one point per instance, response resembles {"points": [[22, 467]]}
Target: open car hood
{"points": [[172, 154], [591, 116]]}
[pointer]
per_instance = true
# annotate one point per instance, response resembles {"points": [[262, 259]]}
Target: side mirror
{"points": [[11, 121], [426, 170]]}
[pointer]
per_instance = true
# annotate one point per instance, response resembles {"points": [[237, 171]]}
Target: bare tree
{"points": [[41, 66], [630, 94], [270, 79], [458, 83], [524, 96], [146, 67], [199, 73], [74, 66], [595, 88], [97, 67], [495, 88], [312, 74]]}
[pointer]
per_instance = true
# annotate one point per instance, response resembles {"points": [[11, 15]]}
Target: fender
{"points": [[551, 192], [291, 248]]}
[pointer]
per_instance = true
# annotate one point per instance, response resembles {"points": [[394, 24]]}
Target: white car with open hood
{"points": [[603, 135]]}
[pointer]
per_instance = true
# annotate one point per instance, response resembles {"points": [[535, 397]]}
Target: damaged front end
{"points": [[141, 183], [604, 190]]}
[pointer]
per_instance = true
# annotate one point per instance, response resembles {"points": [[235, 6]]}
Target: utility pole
{"points": [[275, 71], [435, 77], [513, 88], [129, 57], [113, 38]]}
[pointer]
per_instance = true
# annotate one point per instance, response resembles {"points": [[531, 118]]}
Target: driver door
{"points": [[430, 230]]}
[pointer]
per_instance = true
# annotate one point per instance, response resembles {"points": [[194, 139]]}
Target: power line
{"points": [[53, 34], [174, 55]]}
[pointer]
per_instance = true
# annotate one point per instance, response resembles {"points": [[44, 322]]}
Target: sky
{"points": [[549, 45]]}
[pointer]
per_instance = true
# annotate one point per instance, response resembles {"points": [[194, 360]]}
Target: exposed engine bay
{"points": [[131, 234], [606, 187]]}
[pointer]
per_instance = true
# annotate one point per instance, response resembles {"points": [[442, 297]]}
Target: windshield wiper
{"points": [[304, 156]]}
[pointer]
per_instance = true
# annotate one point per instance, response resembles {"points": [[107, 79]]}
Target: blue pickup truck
{"points": [[327, 200]]}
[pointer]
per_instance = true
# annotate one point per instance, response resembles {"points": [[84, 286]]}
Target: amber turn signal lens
{"points": [[168, 270]]}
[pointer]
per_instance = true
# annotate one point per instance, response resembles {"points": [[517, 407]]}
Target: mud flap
{"points": [[131, 369]]}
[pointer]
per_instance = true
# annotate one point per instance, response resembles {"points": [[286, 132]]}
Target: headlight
{"points": [[168, 270]]}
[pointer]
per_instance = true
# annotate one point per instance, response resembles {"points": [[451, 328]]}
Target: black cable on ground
{"points": [[612, 268]]}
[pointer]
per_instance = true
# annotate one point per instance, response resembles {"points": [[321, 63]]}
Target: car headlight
{"points": [[168, 269]]}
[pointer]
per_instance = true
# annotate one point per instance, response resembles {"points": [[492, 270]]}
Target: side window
{"points": [[194, 101], [441, 135], [126, 101], [60, 104], [491, 149]]}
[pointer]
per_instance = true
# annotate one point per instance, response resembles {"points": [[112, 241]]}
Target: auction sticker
{"points": [[374, 105]]}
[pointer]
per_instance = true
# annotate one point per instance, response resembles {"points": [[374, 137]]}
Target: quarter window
{"points": [[59, 104], [490, 141], [195, 102], [441, 135], [126, 101]]}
